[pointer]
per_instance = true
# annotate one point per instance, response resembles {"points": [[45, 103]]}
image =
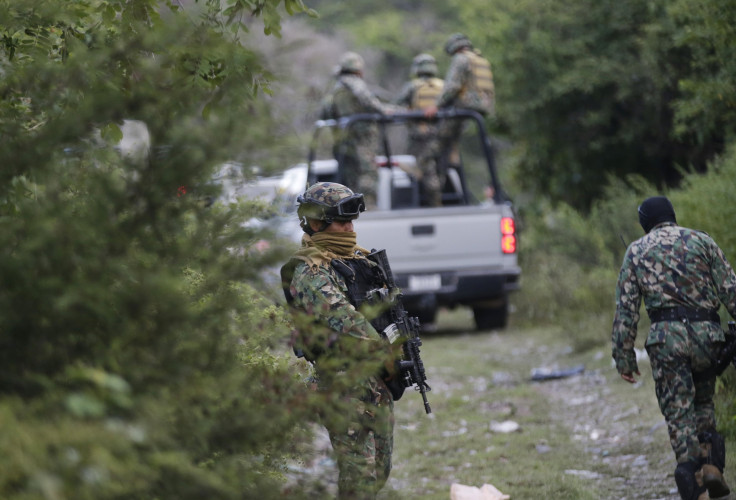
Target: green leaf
{"points": [[83, 405], [112, 133]]}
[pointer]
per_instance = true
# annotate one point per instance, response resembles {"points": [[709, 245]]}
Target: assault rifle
{"points": [[405, 329], [728, 355]]}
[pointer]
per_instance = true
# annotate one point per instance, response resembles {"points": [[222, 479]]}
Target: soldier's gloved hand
{"points": [[396, 387]]}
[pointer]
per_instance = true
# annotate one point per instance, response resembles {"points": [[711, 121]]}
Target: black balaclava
{"points": [[655, 210]]}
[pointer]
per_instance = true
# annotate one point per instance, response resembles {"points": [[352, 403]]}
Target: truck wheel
{"points": [[491, 318]]}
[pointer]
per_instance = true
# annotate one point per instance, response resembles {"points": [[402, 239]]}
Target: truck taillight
{"points": [[508, 235]]}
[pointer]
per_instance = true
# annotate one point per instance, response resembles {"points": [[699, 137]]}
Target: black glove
{"points": [[397, 387]]}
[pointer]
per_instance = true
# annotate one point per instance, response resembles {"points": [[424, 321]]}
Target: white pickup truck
{"points": [[463, 253]]}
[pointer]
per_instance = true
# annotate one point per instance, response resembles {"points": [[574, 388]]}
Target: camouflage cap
{"points": [[456, 42], [424, 64], [350, 62], [330, 201]]}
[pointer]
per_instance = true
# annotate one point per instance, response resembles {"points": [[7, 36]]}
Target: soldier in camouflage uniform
{"points": [[419, 93], [356, 149], [469, 80], [468, 85], [323, 283], [683, 277]]}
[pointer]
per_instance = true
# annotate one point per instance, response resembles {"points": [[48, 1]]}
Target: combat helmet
{"points": [[328, 202], [456, 42], [424, 65], [350, 62]]}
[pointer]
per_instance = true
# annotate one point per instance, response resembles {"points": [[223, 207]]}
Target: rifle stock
{"points": [[411, 367]]}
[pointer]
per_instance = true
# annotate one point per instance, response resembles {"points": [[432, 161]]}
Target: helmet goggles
{"points": [[345, 209]]}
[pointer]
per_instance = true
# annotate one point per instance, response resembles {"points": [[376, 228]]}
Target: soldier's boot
{"points": [[714, 482], [713, 448], [687, 484]]}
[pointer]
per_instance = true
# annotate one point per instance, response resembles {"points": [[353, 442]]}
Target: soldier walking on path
{"points": [[419, 93], [325, 283], [683, 277], [355, 149]]}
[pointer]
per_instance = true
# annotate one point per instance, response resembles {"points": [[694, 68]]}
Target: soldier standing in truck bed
{"points": [[356, 147], [468, 85], [419, 93]]}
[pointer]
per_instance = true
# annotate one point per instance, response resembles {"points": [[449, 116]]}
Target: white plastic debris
{"points": [[505, 427], [485, 492]]}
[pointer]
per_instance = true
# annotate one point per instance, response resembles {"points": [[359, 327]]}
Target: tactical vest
{"points": [[361, 277], [481, 81], [426, 92], [364, 281]]}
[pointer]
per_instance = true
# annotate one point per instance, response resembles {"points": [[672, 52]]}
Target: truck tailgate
{"points": [[448, 238]]}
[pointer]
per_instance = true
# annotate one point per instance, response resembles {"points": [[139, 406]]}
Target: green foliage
{"points": [[726, 404], [138, 357], [706, 202], [399, 30], [589, 89], [568, 276], [708, 30]]}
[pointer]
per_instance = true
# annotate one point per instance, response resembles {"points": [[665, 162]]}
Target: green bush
{"points": [[708, 202], [138, 358]]}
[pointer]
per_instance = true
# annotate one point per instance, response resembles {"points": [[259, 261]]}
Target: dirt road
{"points": [[589, 435]]}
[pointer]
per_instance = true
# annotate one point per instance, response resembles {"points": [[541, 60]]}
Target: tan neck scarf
{"points": [[322, 247]]}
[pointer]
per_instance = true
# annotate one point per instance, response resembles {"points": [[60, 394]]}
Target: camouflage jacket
{"points": [[351, 95], [468, 84], [668, 267], [323, 294], [335, 327]]}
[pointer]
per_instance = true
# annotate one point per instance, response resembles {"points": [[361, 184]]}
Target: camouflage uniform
{"points": [[348, 354], [673, 266], [417, 94], [356, 149], [468, 85]]}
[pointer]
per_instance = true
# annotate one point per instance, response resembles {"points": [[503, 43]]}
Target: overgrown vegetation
{"points": [[136, 349]]}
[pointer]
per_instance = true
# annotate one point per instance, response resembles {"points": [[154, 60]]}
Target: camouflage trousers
{"points": [[687, 404], [425, 149], [361, 433], [357, 167]]}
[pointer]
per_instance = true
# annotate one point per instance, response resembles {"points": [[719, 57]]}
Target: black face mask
{"points": [[655, 210]]}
